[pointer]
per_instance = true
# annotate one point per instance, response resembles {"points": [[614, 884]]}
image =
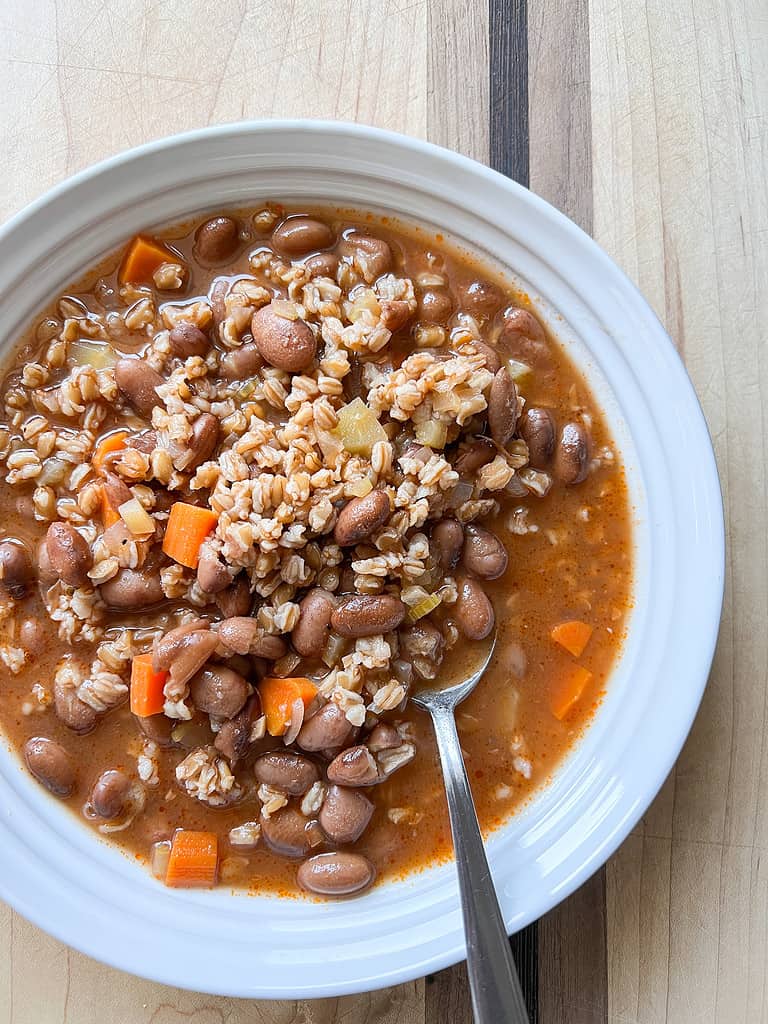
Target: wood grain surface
{"points": [[648, 124]]}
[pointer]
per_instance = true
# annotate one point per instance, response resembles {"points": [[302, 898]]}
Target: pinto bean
{"points": [[219, 691], [395, 313], [16, 572], [212, 574], [205, 437], [480, 298], [290, 773], [311, 631], [336, 874], [109, 794], [447, 540], [138, 382], [73, 712], [217, 239], [325, 264], [473, 610], [502, 407], [157, 728], [353, 767], [236, 599], [233, 739], [187, 340], [484, 555], [435, 306], [286, 344], [50, 764], [327, 729], [372, 255], [345, 814], [241, 363], [133, 589], [572, 454], [537, 429], [297, 236], [383, 736], [285, 832], [68, 553], [477, 454], [361, 517], [364, 615]]}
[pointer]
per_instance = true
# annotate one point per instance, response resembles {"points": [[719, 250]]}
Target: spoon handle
{"points": [[496, 994]]}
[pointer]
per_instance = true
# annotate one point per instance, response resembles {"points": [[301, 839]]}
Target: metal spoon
{"points": [[496, 994]]}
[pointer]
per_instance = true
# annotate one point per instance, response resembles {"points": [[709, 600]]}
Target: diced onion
{"points": [[432, 433], [359, 488], [92, 353], [136, 518], [424, 607], [297, 720], [358, 428], [335, 648], [158, 861], [518, 371]]}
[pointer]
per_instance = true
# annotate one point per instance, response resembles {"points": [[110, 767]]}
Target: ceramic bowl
{"points": [[56, 873]]}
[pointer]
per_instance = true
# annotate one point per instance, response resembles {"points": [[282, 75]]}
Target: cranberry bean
{"points": [[205, 437], [311, 631], [297, 236], [484, 555], [572, 454], [286, 832], [363, 615], [361, 517], [241, 363], [244, 635], [50, 764], [423, 642], [116, 490], [109, 794], [157, 728], [371, 255], [480, 298], [336, 874], [395, 313], [477, 454], [290, 773], [138, 382], [325, 264], [192, 652], [345, 814], [353, 767], [327, 729], [383, 736], [537, 429], [502, 407], [16, 572], [489, 354], [68, 554], [219, 691], [73, 712], [32, 634], [186, 340], [146, 441], [212, 574], [236, 599], [216, 240], [447, 540], [286, 344], [521, 323], [168, 647], [233, 739], [473, 610], [435, 306], [133, 589]]}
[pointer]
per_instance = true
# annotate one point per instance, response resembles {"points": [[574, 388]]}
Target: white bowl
{"points": [[54, 872]]}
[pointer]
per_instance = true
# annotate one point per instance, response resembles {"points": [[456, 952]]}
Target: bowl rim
{"points": [[711, 529]]}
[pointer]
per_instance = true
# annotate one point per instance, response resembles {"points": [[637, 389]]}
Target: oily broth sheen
{"points": [[586, 575]]}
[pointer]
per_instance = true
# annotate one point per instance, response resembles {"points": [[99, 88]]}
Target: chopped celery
{"points": [[358, 428], [431, 433], [92, 353], [424, 607], [136, 518]]}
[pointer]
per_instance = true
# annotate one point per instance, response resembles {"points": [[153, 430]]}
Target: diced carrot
{"points": [[108, 445], [194, 859], [142, 258], [188, 526], [573, 636], [147, 696], [277, 698], [570, 691], [109, 514]]}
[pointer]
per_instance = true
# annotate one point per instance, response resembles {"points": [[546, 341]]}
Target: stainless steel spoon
{"points": [[496, 994]]}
